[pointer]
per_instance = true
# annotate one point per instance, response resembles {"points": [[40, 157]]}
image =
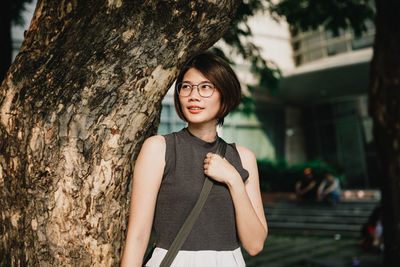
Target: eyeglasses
{"points": [[205, 89]]}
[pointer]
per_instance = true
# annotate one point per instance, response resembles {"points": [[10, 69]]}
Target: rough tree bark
{"points": [[77, 103], [385, 110]]}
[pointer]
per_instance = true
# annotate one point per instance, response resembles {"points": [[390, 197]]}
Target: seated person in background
{"points": [[306, 187], [329, 189]]}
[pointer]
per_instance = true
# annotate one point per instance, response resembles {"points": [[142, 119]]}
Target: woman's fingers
{"points": [[209, 157], [210, 161]]}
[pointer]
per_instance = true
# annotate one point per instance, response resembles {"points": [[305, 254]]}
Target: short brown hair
{"points": [[221, 75]]}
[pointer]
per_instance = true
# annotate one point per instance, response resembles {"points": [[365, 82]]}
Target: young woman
{"points": [[170, 171]]}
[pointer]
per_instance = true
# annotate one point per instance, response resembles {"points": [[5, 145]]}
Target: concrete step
{"points": [[332, 227], [316, 218], [342, 202], [316, 205], [316, 212], [345, 218], [321, 206]]}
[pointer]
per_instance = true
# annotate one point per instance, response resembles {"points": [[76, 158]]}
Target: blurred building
{"points": [[327, 95]]}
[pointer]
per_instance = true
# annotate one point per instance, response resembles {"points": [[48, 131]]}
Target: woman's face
{"points": [[198, 109]]}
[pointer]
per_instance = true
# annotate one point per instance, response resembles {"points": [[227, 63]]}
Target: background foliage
{"points": [[279, 176]]}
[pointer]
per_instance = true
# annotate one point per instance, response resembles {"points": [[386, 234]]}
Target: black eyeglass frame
{"points": [[179, 86]]}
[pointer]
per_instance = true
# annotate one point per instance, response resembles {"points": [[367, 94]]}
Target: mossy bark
{"points": [[385, 110], [80, 98]]}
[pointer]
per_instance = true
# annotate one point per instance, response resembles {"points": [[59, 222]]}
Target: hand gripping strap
{"points": [[191, 219]]}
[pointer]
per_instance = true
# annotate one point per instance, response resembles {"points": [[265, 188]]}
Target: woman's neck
{"points": [[206, 133]]}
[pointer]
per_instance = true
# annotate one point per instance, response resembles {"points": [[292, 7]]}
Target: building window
{"points": [[336, 48], [313, 45]]}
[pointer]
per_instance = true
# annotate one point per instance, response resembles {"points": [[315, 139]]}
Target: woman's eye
{"points": [[206, 86], [186, 86]]}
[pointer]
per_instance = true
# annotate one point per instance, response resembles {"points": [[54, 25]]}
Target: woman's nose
{"points": [[195, 92]]}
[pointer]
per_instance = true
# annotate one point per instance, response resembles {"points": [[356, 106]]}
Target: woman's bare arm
{"points": [[250, 218], [147, 178]]}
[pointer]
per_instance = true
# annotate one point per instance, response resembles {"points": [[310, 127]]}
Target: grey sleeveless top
{"points": [[183, 178]]}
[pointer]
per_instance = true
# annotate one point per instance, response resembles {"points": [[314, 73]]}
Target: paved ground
{"points": [[316, 235], [290, 250]]}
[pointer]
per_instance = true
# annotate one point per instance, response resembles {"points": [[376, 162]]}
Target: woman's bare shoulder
{"points": [[155, 140], [245, 153], [154, 147]]}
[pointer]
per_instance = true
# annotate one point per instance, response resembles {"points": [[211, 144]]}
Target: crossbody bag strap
{"points": [[194, 214]]}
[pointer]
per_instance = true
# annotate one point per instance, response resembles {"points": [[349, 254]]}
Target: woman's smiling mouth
{"points": [[195, 109]]}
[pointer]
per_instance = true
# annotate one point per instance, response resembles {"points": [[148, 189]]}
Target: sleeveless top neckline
{"points": [[201, 141]]}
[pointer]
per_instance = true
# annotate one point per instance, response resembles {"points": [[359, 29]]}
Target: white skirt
{"points": [[209, 258]]}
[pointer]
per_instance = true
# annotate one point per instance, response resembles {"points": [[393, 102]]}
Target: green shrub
{"points": [[278, 176]]}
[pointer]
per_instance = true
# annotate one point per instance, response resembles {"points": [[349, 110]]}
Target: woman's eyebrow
{"points": [[205, 81]]}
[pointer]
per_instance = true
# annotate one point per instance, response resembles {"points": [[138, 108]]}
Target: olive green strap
{"points": [[191, 219]]}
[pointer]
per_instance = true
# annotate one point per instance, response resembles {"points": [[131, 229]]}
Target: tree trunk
{"points": [[385, 110], [77, 103]]}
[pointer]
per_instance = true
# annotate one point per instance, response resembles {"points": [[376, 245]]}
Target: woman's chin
{"points": [[196, 121], [199, 121]]}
